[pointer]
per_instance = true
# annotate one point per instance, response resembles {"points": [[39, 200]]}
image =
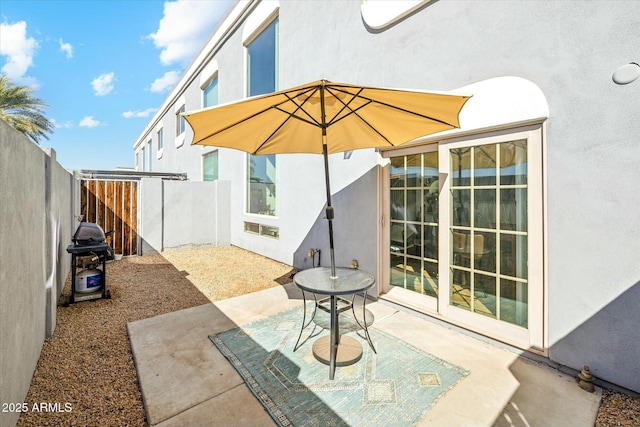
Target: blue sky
{"points": [[103, 66]]}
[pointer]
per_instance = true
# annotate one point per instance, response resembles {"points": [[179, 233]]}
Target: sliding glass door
{"points": [[465, 234]]}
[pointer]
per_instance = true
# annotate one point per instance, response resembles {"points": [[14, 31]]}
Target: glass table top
{"points": [[348, 281]]}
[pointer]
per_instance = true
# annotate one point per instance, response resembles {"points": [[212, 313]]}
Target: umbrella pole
{"points": [[325, 154], [329, 208]]}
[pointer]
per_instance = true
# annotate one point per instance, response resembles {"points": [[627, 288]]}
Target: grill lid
{"points": [[88, 233]]}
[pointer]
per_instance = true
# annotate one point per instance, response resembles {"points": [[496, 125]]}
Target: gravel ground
{"points": [[86, 367], [87, 363]]}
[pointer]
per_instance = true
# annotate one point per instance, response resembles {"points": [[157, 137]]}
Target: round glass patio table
{"points": [[348, 281]]}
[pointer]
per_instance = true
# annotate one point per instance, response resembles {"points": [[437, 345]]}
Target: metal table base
{"points": [[341, 350]]}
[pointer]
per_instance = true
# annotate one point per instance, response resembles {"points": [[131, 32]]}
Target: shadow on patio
{"points": [[159, 314]]}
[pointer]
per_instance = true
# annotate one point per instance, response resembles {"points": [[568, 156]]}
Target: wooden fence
{"points": [[113, 205]]}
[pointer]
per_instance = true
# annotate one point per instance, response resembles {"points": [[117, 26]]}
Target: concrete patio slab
{"points": [[186, 381], [235, 408], [176, 368]]}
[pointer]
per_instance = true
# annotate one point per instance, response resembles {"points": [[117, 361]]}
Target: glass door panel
{"points": [[513, 302], [414, 192], [513, 162], [460, 204], [488, 230]]}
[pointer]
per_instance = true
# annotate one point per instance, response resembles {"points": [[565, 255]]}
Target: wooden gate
{"points": [[113, 205]]}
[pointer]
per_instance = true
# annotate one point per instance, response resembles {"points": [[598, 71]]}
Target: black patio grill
{"points": [[89, 240]]}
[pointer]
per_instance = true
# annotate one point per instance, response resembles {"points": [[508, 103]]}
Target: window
{"points": [[137, 160], [160, 145], [262, 61], [262, 230], [179, 107], [180, 121], [209, 99], [210, 93], [150, 150], [210, 166], [262, 71], [262, 185]]}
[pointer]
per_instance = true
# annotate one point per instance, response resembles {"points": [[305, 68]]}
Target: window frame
{"points": [[205, 86], [248, 189], [150, 148], [272, 19], [217, 174], [261, 22], [181, 125], [180, 106], [159, 141]]}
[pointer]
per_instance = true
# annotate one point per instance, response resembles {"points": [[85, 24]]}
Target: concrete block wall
{"points": [[178, 213], [38, 208]]}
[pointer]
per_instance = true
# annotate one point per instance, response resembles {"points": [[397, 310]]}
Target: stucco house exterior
{"points": [[522, 226]]}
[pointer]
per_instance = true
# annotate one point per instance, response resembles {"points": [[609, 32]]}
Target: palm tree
{"points": [[23, 111]]}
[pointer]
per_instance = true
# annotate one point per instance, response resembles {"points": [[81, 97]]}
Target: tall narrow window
{"points": [[180, 121], [262, 75], [210, 166], [210, 93], [150, 149], [210, 160], [160, 139], [262, 61], [261, 194]]}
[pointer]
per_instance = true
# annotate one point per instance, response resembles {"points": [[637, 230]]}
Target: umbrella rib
{"points": [[354, 112], [300, 107], [244, 119], [395, 107], [335, 118], [345, 106], [289, 116]]}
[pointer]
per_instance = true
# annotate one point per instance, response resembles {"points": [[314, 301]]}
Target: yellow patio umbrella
{"points": [[324, 118]]}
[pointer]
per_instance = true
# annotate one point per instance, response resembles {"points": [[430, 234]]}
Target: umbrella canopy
{"points": [[292, 120], [325, 117]]}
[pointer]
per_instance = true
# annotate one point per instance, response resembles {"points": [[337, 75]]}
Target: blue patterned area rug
{"points": [[392, 388]]}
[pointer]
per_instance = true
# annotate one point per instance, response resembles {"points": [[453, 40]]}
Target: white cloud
{"points": [[138, 113], [184, 28], [165, 82], [18, 48], [28, 81], [89, 122], [65, 125], [103, 84], [66, 48]]}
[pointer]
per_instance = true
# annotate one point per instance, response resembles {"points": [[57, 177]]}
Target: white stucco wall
{"points": [[591, 156], [38, 205]]}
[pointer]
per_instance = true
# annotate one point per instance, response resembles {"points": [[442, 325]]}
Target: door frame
{"points": [[534, 337]]}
